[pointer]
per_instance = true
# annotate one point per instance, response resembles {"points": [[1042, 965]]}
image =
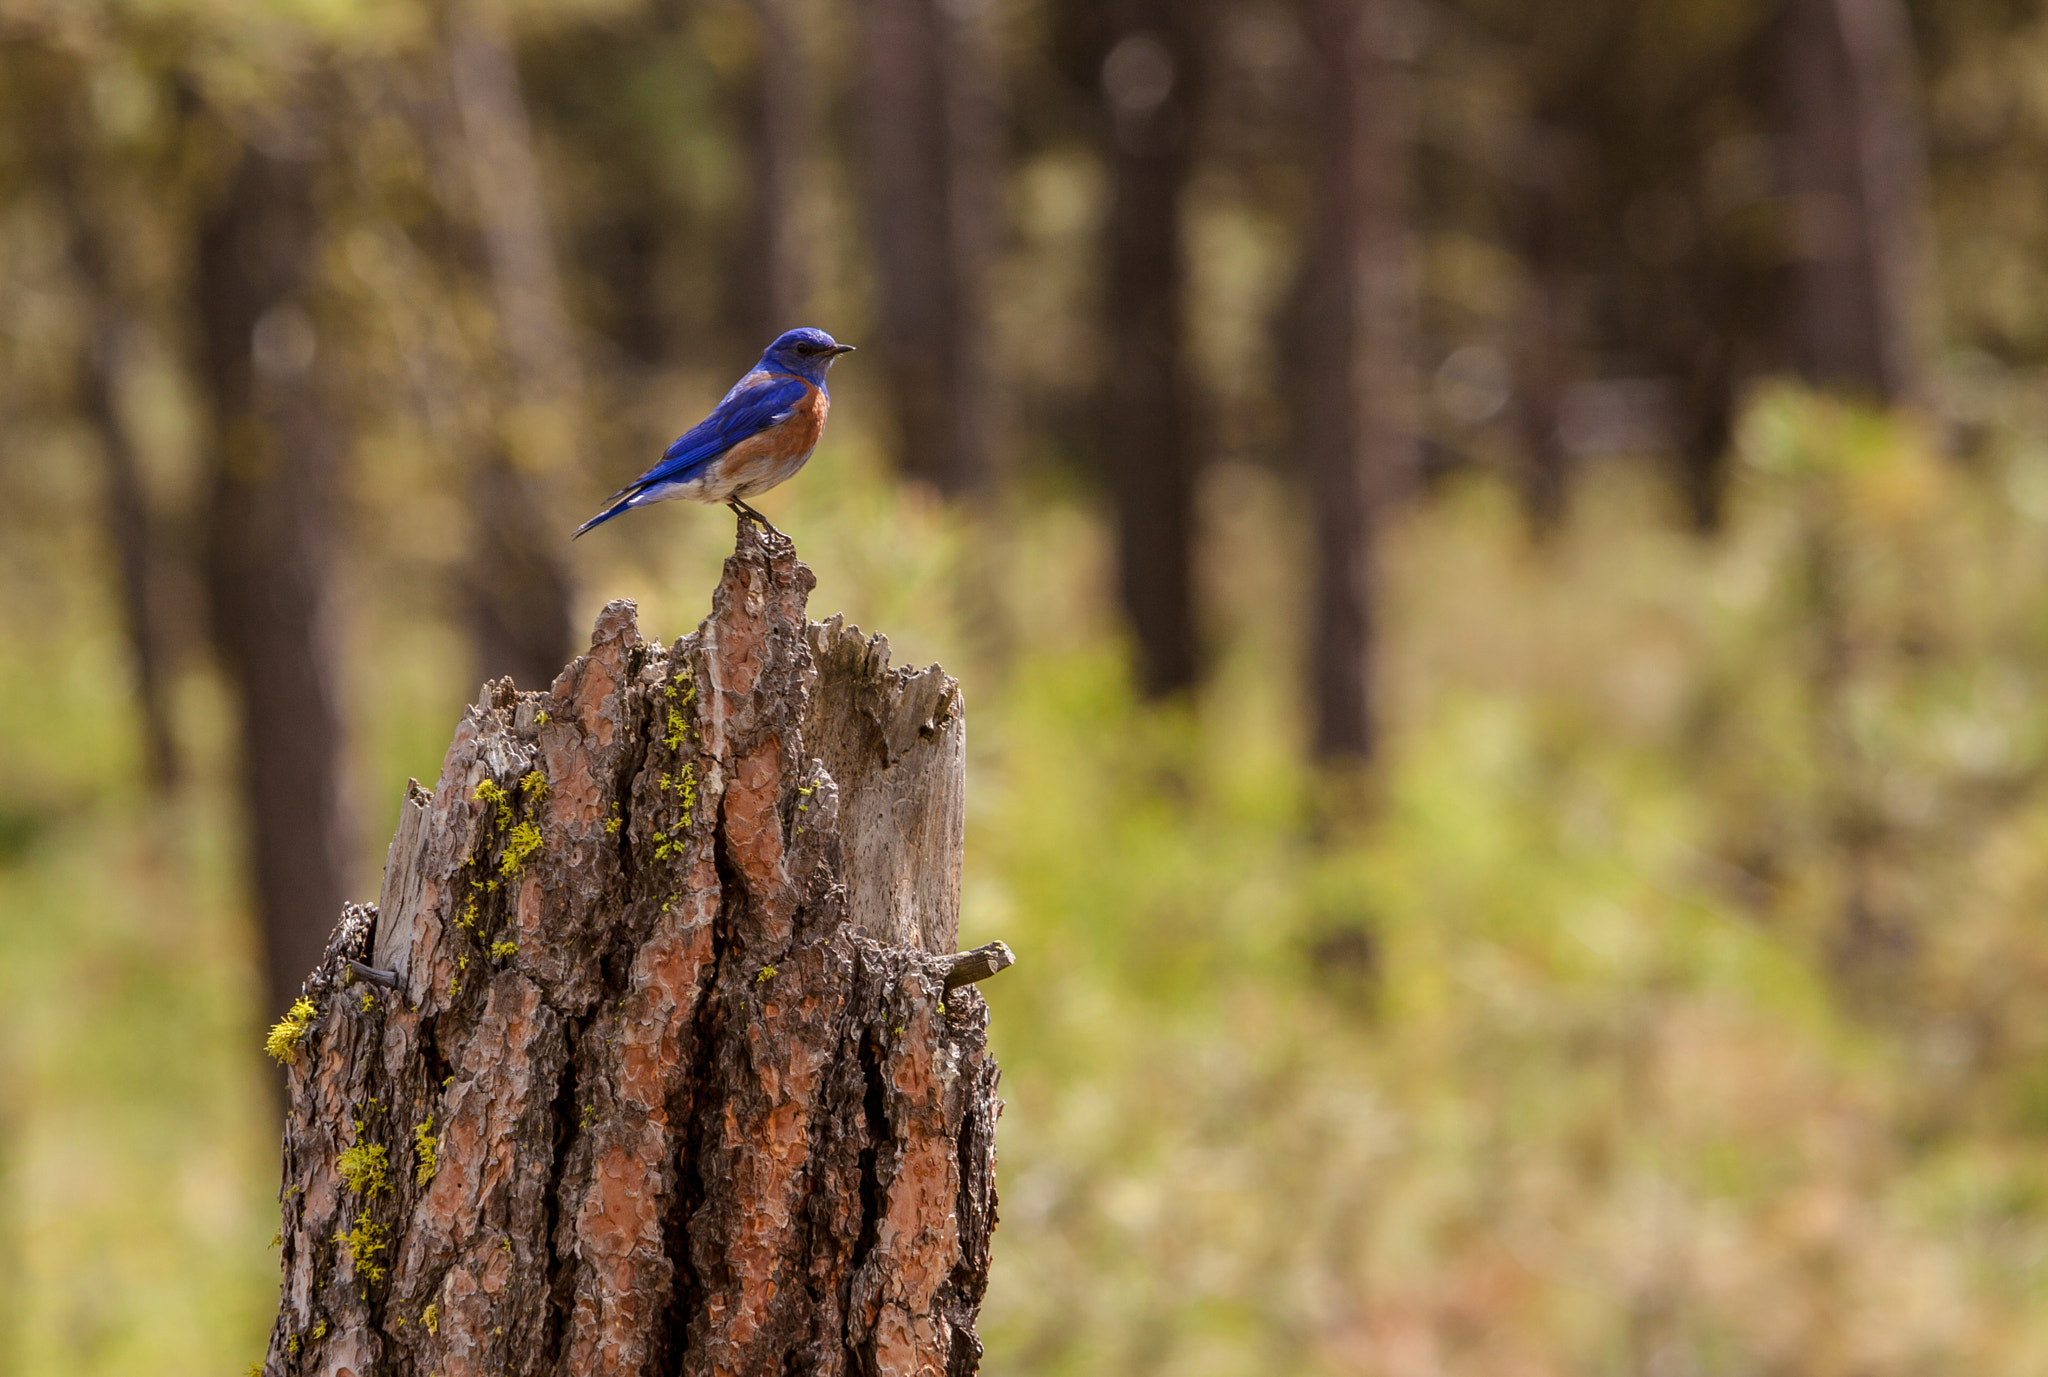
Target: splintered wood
{"points": [[671, 1081]]}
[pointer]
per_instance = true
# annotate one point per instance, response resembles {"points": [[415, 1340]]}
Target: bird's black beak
{"points": [[838, 349]]}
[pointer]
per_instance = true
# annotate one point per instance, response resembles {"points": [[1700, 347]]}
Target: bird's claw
{"points": [[748, 512]]}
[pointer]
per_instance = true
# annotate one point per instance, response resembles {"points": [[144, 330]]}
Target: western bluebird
{"points": [[759, 435]]}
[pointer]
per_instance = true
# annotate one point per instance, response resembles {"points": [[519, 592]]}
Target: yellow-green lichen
{"points": [[686, 792], [431, 1318], [363, 1241], [293, 1345], [320, 1330], [533, 787], [680, 693], [369, 1001], [519, 848], [612, 820], [540, 719], [428, 1148], [489, 793], [767, 974], [366, 1168], [288, 1032], [502, 950], [589, 1115]]}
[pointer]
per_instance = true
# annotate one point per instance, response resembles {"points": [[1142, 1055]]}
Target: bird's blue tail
{"points": [[623, 501]]}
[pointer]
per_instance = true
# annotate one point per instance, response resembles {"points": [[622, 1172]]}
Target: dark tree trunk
{"points": [[1706, 415], [667, 1075], [1151, 85], [929, 92], [517, 585], [133, 534], [770, 264], [1544, 196], [1350, 355], [1853, 167], [270, 523]]}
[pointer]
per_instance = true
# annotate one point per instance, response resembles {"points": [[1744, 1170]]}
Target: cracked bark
{"points": [[680, 1087]]}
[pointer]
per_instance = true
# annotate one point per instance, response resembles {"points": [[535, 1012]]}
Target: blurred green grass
{"points": [[1667, 1005]]}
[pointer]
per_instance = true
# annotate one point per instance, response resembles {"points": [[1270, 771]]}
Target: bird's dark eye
{"points": [[806, 348]]}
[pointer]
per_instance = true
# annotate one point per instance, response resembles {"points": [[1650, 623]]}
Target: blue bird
{"points": [[758, 436]]}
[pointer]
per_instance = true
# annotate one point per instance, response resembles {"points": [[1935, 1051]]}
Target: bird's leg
{"points": [[744, 510]]}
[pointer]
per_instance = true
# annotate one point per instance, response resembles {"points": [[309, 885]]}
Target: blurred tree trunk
{"points": [[772, 262], [133, 533], [929, 91], [1852, 157], [1546, 183], [1349, 357], [269, 528], [1152, 87], [518, 581], [680, 1074]]}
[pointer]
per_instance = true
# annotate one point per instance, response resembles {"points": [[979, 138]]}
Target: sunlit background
{"points": [[1497, 556]]}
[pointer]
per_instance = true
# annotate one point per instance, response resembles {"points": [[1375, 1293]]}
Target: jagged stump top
{"points": [[671, 1081]]}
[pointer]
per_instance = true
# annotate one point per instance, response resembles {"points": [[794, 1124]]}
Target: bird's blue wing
{"points": [[746, 411], [755, 403]]}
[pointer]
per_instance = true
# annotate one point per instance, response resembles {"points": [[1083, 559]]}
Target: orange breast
{"points": [[759, 462]]}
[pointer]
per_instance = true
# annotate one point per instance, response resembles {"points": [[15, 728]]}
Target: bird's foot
{"points": [[744, 510]]}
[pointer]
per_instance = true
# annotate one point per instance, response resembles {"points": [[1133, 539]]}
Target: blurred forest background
{"points": [[1498, 556]]}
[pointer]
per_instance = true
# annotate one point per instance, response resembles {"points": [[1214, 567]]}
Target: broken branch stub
{"points": [[646, 1060]]}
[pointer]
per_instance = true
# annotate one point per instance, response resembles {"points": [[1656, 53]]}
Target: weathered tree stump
{"points": [[646, 1061]]}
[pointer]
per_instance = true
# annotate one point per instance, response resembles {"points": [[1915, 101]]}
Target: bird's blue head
{"points": [[807, 353]]}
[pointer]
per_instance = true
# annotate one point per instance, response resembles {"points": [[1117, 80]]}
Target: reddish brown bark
{"points": [[686, 1115]]}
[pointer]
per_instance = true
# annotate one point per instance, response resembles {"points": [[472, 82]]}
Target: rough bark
{"points": [[1854, 168], [1151, 80], [1351, 357], [659, 1092], [268, 528], [928, 87]]}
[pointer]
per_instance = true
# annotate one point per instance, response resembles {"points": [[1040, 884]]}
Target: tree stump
{"points": [[647, 1060]]}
